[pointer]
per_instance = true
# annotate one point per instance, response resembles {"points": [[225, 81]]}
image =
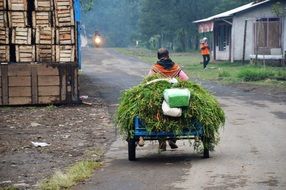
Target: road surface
{"points": [[251, 153]]}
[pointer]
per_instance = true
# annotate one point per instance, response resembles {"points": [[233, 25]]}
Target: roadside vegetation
{"points": [[76, 173], [224, 72]]}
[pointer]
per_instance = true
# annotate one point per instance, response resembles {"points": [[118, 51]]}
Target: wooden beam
{"points": [[244, 41], [34, 84], [5, 92]]}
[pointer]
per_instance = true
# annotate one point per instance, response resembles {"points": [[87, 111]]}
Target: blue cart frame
{"points": [[140, 131]]}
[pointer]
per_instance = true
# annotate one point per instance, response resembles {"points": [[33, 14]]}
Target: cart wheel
{"points": [[206, 150], [131, 150]]}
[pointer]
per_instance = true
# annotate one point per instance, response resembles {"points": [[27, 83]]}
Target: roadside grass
{"points": [[224, 71], [76, 173]]}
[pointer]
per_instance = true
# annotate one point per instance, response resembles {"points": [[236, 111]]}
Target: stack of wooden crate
{"points": [[21, 32], [65, 31], [43, 24], [41, 31], [4, 33], [38, 62]]}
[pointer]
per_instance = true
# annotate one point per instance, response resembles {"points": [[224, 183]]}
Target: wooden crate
{"points": [[4, 35], [25, 53], [63, 4], [3, 19], [22, 84], [3, 5], [64, 17], [44, 5], [65, 53], [21, 35], [4, 53], [42, 19], [65, 36], [45, 35], [17, 19], [45, 53], [17, 5]]}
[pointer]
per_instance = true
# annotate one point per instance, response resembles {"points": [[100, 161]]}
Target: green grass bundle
{"points": [[145, 100]]}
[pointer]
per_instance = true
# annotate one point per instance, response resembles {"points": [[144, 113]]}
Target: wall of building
{"points": [[222, 55], [238, 26], [284, 34]]}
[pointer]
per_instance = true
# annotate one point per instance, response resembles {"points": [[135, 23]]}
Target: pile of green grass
{"points": [[145, 101]]}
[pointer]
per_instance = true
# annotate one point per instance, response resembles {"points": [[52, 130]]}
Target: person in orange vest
{"points": [[166, 67], [205, 51]]}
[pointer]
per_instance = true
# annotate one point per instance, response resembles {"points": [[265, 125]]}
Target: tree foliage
{"points": [[152, 22]]}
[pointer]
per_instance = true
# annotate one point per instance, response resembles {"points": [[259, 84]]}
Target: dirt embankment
{"points": [[71, 134]]}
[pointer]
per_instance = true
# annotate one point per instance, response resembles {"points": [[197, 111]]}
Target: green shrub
{"points": [[255, 74], [281, 75]]}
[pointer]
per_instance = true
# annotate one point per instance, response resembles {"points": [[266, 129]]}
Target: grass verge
{"points": [[76, 173]]}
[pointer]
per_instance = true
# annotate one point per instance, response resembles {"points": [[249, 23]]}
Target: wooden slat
{"points": [[65, 53], [4, 76], [4, 35], [64, 18], [25, 53], [44, 5], [3, 5], [63, 4], [19, 70], [45, 35], [45, 53], [19, 100], [49, 99], [45, 70], [20, 91], [42, 19], [3, 19], [21, 35], [4, 53], [19, 81], [63, 86], [34, 84], [17, 19], [17, 5], [48, 80], [75, 87], [65, 35], [49, 90]]}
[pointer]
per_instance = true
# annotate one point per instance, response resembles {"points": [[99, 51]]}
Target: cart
{"points": [[196, 132]]}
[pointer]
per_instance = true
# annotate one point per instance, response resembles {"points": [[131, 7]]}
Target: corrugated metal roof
{"points": [[232, 12]]}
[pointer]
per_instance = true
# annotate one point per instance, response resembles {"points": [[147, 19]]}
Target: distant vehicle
{"points": [[97, 40]]}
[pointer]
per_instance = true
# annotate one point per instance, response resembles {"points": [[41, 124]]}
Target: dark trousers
{"points": [[206, 60]]}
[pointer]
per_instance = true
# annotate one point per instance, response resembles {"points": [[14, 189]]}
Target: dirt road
{"points": [[251, 153]]}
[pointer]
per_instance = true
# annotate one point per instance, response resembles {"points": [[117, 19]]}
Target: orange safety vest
{"points": [[204, 49], [173, 72]]}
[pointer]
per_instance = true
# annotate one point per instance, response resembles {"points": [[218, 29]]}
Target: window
{"points": [[267, 35]]}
